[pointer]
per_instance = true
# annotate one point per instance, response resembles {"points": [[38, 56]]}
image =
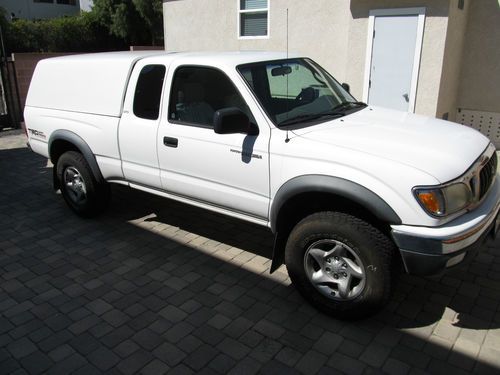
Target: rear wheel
{"points": [[79, 188], [341, 264]]}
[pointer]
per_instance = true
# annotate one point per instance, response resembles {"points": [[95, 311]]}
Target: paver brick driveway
{"points": [[153, 286]]}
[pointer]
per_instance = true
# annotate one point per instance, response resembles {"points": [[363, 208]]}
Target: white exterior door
{"points": [[394, 58]]}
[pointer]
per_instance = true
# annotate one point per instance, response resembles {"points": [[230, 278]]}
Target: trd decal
{"points": [[37, 133]]}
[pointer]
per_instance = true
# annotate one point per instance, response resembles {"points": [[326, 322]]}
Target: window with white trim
{"points": [[253, 18]]}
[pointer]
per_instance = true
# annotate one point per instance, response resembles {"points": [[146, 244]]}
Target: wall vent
{"points": [[487, 123]]}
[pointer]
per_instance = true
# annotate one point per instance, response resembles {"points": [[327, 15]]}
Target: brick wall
{"points": [[25, 64]]}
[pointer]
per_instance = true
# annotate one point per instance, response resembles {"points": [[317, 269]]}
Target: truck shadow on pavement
{"points": [[419, 301], [233, 232], [154, 285]]}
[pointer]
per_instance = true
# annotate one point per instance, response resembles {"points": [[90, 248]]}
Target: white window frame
{"points": [[259, 10], [420, 12]]}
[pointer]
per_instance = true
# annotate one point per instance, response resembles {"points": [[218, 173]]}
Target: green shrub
{"points": [[110, 25], [81, 33]]}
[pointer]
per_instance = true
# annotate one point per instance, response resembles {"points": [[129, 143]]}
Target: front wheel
{"points": [[79, 188], [341, 264]]}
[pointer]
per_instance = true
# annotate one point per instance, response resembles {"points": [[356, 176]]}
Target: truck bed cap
{"points": [[90, 83]]}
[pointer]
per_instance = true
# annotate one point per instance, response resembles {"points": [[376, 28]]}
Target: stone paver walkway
{"points": [[154, 286]]}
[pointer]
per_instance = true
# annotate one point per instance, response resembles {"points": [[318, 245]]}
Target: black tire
{"points": [[93, 198], [357, 240]]}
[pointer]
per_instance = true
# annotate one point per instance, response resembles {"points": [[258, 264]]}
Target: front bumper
{"points": [[429, 251]]}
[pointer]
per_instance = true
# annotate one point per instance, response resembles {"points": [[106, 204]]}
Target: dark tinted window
{"points": [[198, 92], [148, 92]]}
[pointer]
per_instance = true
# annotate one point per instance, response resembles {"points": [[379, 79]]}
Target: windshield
{"points": [[297, 90]]}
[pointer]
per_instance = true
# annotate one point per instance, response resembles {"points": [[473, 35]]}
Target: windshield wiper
{"points": [[309, 117], [337, 111], [342, 107]]}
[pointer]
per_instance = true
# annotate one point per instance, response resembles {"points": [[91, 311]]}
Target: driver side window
{"points": [[198, 92]]}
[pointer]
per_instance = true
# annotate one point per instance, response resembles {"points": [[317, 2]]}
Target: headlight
{"points": [[446, 200]]}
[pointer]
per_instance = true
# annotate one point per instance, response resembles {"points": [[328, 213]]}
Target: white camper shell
{"points": [[87, 83]]}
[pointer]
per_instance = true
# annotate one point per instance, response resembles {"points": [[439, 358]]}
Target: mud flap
{"points": [[55, 180], [278, 253]]}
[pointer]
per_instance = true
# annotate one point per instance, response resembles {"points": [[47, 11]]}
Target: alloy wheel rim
{"points": [[334, 269], [75, 185]]}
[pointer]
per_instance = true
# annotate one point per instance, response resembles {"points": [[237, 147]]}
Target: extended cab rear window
{"points": [[147, 95]]}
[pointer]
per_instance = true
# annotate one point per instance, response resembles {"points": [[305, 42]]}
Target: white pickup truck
{"points": [[351, 191]]}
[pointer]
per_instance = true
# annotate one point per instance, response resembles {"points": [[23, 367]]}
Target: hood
{"points": [[440, 148]]}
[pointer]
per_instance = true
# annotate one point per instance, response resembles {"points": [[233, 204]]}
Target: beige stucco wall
{"points": [[316, 28], [479, 86], [452, 61], [334, 33]]}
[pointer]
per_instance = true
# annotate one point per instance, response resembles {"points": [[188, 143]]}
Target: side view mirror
{"points": [[232, 120], [346, 87]]}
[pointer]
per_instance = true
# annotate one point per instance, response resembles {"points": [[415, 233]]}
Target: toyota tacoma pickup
{"points": [[352, 192]]}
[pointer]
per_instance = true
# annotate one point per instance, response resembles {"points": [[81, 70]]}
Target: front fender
{"points": [[333, 185]]}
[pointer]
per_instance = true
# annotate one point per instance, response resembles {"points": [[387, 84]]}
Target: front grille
{"points": [[487, 175]]}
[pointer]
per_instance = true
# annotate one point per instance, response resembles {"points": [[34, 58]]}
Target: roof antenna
{"points": [[287, 139]]}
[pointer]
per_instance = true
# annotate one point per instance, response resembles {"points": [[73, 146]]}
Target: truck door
{"points": [[138, 128], [224, 170]]}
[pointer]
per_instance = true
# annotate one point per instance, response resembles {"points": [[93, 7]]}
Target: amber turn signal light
{"points": [[431, 201]]}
